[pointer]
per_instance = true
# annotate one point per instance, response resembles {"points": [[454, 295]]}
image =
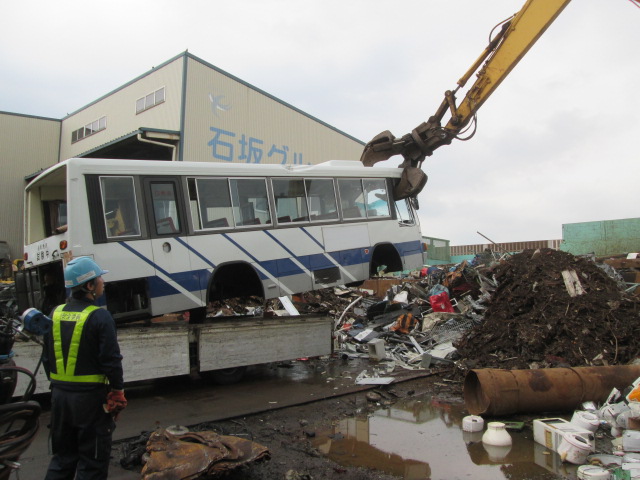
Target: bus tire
{"points": [[228, 376]]}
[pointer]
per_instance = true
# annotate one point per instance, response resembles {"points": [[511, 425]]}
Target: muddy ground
{"points": [[288, 433]]}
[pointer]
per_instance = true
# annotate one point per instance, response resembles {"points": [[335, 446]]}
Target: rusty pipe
{"points": [[505, 392]]}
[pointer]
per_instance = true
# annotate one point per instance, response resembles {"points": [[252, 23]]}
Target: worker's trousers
{"points": [[80, 435]]}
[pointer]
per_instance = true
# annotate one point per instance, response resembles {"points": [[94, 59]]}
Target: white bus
{"points": [[176, 236]]}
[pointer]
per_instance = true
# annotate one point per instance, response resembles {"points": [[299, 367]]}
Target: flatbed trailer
{"points": [[224, 345]]}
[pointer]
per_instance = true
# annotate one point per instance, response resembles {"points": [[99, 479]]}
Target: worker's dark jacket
{"points": [[98, 351]]}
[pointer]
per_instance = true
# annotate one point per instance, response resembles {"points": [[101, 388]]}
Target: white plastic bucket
{"points": [[593, 472], [472, 423], [585, 420], [574, 448]]}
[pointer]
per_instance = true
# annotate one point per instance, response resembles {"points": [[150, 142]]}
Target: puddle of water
{"points": [[423, 439]]}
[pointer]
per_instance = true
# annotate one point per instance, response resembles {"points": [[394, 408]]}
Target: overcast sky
{"points": [[556, 143]]}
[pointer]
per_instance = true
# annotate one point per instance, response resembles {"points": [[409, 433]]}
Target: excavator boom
{"points": [[516, 36]]}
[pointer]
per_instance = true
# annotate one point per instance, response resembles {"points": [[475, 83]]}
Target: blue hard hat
{"points": [[80, 270]]}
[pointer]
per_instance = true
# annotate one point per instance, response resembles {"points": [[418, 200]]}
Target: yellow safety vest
{"points": [[67, 374]]}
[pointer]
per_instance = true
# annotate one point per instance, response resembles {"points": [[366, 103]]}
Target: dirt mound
{"points": [[532, 320]]}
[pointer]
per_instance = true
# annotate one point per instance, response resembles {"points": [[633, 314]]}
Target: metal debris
{"points": [[197, 455]]}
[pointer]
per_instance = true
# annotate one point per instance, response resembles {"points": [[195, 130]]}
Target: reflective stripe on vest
{"points": [[67, 374]]}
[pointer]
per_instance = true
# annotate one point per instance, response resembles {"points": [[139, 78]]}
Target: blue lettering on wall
{"points": [[249, 149], [221, 150]]}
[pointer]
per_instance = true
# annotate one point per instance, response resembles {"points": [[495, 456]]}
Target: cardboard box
{"points": [[550, 432]]}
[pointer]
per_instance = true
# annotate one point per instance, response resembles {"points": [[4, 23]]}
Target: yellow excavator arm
{"points": [[516, 36]]}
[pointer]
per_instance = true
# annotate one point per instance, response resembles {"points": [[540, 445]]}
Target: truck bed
{"points": [[171, 349]]}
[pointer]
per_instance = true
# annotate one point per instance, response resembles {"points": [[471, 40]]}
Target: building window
{"points": [[150, 100], [89, 129]]}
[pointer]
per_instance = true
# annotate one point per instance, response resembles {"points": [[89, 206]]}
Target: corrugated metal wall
{"points": [[605, 237], [27, 145], [229, 121], [505, 247]]}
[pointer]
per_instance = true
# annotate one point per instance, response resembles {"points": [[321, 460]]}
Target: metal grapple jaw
{"points": [[414, 146]]}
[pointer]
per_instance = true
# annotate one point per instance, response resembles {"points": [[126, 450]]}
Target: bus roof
{"points": [[337, 168]]}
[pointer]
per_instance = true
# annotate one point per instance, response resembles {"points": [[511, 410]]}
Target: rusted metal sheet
{"points": [[197, 455], [505, 392]]}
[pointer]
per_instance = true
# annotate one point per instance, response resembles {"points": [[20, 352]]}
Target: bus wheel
{"points": [[227, 376]]}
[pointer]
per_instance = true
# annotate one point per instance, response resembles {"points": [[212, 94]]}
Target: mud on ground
{"points": [[288, 433]]}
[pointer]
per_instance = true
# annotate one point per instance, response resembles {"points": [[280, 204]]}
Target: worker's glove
{"points": [[116, 402]]}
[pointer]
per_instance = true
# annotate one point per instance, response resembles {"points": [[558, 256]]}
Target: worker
{"points": [[83, 362]]}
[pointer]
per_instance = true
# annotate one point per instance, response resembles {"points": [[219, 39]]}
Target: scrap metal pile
{"points": [[536, 309]]}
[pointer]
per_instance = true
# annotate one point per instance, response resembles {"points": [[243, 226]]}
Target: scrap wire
{"points": [[346, 309]]}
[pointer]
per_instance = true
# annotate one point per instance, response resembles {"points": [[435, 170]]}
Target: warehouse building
{"points": [[183, 110]]}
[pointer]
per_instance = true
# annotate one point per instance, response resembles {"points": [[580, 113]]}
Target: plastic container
{"points": [[609, 413], [631, 458], [631, 441], [496, 435], [593, 472], [605, 460], [629, 471], [574, 448], [472, 423], [585, 420], [622, 420], [550, 431]]}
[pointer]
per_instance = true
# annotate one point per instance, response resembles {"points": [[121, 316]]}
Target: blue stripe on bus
{"points": [[197, 253], [286, 249], [142, 257], [312, 237], [254, 259], [284, 267], [189, 280]]}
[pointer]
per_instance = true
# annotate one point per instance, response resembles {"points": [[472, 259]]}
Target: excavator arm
{"points": [[516, 36]]}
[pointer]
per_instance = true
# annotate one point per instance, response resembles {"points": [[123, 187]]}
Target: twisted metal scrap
{"points": [[197, 455]]}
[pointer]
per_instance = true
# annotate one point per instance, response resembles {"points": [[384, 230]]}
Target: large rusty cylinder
{"points": [[505, 392]]}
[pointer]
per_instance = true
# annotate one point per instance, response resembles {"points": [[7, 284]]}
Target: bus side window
{"points": [[212, 203], [321, 197], [250, 201], [119, 206], [377, 198], [351, 198], [290, 199], [405, 212]]}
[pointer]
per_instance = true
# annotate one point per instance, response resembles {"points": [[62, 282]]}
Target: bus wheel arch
{"points": [[234, 279], [385, 254]]}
